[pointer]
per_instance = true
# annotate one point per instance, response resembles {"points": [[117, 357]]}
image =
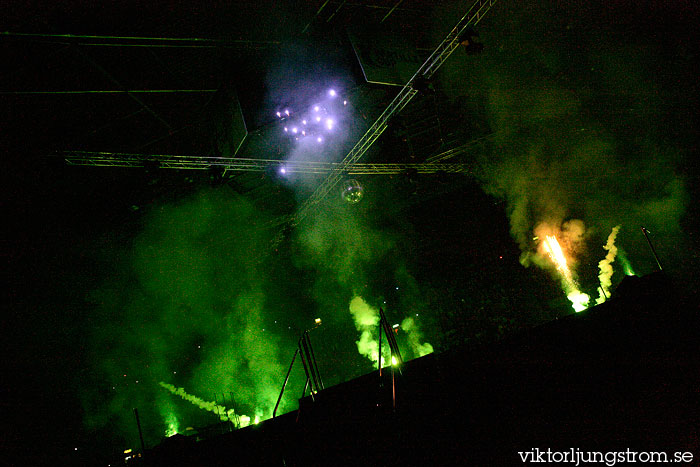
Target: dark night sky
{"points": [[594, 108]]}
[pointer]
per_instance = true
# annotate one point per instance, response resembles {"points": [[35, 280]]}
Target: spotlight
{"points": [[283, 171], [287, 112], [294, 130], [345, 102], [286, 129], [279, 115], [303, 122], [329, 124], [303, 132], [331, 93], [319, 139], [318, 119], [316, 108]]}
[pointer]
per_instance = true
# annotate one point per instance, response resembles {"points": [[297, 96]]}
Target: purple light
{"points": [[283, 171], [319, 139], [286, 129], [345, 102], [329, 124], [303, 122], [331, 93], [318, 119], [287, 112], [294, 130], [303, 133], [316, 108], [279, 115]]}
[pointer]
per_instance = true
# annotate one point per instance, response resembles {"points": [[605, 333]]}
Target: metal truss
{"points": [[425, 71], [112, 159]]}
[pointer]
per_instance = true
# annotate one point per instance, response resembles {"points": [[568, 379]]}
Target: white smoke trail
{"points": [[366, 321], [415, 336], [605, 266], [222, 412]]}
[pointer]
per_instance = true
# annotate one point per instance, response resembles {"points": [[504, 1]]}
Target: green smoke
{"points": [[367, 323], [173, 427], [626, 265], [221, 411], [186, 302], [415, 336]]}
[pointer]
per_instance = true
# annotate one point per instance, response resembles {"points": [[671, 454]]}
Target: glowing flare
{"points": [[173, 426], [556, 254], [626, 265], [579, 300]]}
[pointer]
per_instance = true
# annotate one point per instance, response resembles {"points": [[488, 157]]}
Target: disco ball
{"points": [[352, 191]]}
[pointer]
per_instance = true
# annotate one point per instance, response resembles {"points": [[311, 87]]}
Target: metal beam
{"points": [[114, 91], [112, 159], [426, 71], [140, 41]]}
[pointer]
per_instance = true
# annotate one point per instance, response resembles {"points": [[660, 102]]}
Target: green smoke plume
{"points": [[415, 336], [221, 411], [186, 302], [367, 323], [626, 265]]}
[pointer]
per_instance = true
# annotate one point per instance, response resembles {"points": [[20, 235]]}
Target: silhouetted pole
{"points": [[381, 383], [656, 257], [286, 380], [138, 424]]}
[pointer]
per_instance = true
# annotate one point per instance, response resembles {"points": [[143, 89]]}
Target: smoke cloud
{"points": [[189, 300], [366, 320], [415, 336], [580, 130], [222, 412]]}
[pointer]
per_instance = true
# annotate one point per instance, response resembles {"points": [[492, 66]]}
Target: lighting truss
{"points": [[112, 159], [425, 71]]}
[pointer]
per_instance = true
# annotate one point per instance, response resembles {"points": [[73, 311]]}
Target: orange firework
{"points": [[556, 254], [579, 300]]}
